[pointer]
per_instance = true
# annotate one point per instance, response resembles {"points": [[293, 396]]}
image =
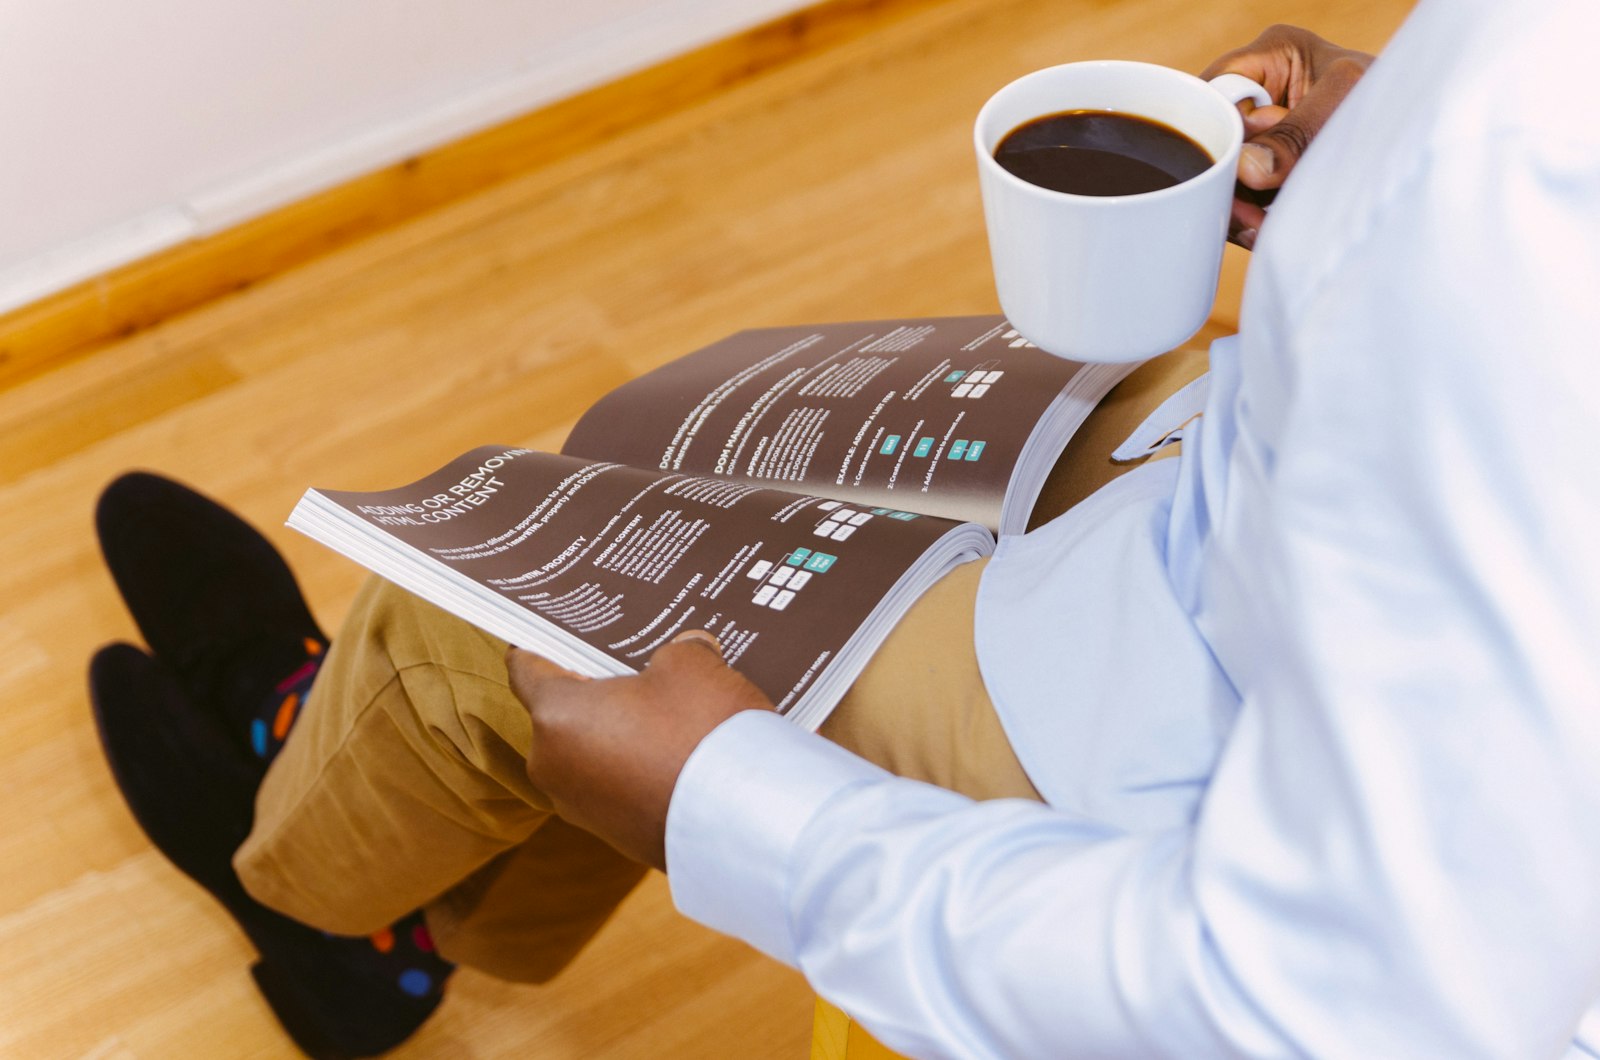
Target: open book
{"points": [[792, 490]]}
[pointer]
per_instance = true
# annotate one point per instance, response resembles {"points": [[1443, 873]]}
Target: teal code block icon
{"points": [[797, 557], [890, 444], [881, 511], [975, 450], [958, 449], [904, 517], [924, 447], [820, 562], [955, 377]]}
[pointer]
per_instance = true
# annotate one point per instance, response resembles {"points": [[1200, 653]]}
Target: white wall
{"points": [[128, 127]]}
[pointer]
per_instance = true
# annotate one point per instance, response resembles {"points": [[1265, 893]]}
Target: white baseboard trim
{"points": [[563, 69], [94, 255]]}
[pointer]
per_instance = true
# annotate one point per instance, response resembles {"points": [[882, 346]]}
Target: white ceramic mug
{"points": [[1119, 277]]}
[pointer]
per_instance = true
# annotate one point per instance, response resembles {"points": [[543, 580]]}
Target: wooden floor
{"points": [[836, 186]]}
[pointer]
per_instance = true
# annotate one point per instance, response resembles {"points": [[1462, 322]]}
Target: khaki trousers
{"points": [[403, 783]]}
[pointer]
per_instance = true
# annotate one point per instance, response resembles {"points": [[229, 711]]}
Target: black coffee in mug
{"points": [[1098, 152]]}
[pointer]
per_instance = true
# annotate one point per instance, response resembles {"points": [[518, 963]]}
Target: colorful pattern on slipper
{"points": [[271, 726], [405, 950], [426, 971]]}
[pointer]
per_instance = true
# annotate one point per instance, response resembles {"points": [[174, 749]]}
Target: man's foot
{"points": [[212, 597], [193, 793]]}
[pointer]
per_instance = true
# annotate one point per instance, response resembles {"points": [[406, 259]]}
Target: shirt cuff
{"points": [[741, 803]]}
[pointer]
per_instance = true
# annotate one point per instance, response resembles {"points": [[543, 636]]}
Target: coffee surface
{"points": [[1097, 152]]}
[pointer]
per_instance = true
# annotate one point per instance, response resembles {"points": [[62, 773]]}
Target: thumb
{"points": [[1271, 153], [700, 636], [694, 650]]}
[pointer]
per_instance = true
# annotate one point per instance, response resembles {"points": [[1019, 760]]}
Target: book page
{"points": [[623, 559], [926, 416]]}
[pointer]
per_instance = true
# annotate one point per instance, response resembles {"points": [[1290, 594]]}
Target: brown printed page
{"points": [[925, 416], [622, 558]]}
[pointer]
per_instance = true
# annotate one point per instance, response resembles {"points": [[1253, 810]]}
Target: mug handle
{"points": [[1237, 88]]}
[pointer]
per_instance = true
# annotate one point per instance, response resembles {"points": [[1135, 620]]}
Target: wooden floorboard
{"points": [[838, 184]]}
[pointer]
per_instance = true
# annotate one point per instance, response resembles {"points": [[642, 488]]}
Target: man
{"points": [[1312, 709]]}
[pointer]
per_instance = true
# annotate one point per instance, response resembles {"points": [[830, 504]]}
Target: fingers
{"points": [[1260, 119], [693, 657], [1271, 154], [528, 671], [607, 754], [693, 647], [1278, 60], [1307, 77], [536, 665], [1245, 223], [689, 652], [690, 672], [1257, 161], [700, 636]]}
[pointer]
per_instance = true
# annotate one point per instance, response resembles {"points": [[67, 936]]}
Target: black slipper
{"points": [[212, 597], [193, 795]]}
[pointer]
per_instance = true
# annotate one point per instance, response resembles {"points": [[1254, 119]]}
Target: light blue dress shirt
{"points": [[1316, 708]]}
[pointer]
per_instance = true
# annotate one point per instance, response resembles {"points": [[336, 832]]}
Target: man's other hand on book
{"points": [[607, 752]]}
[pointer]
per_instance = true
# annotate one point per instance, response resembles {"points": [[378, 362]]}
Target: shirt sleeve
{"points": [[1397, 854], [887, 893]]}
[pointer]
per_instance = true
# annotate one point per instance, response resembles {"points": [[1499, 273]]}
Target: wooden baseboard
{"points": [[67, 325]]}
